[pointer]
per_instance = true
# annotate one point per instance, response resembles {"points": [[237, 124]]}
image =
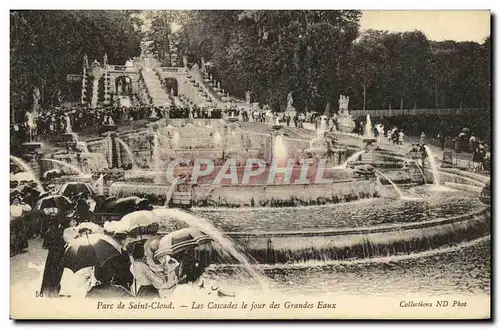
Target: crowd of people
{"points": [[448, 127], [465, 141], [29, 220], [58, 120], [135, 271]]}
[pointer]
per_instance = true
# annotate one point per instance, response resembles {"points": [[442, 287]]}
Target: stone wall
{"points": [[282, 195], [256, 195]]}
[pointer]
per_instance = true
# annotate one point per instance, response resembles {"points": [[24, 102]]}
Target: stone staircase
{"points": [[158, 94]]}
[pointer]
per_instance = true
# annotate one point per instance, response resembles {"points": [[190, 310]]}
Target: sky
{"points": [[437, 25]]}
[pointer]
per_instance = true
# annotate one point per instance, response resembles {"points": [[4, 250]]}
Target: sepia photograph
{"points": [[250, 164]]}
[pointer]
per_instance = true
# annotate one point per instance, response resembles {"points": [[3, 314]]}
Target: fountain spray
{"points": [[434, 167]]}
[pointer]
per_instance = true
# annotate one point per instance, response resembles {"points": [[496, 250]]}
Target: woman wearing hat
{"points": [[54, 242], [18, 234], [152, 278]]}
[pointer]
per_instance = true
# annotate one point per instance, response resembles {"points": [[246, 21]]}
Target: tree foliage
{"points": [[46, 45], [315, 54], [318, 55]]}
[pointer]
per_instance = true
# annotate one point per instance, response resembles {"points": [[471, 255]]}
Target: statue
{"points": [[31, 124], [68, 125], [343, 105], [289, 100], [85, 61], [218, 85], [185, 61], [105, 59], [248, 97], [345, 121], [203, 64], [59, 96], [211, 78], [119, 87], [36, 98]]}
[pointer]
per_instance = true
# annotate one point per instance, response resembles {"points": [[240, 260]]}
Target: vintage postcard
{"points": [[250, 164]]}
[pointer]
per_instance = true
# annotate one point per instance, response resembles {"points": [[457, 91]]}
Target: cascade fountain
{"points": [[175, 140], [422, 172], [301, 241], [323, 126], [352, 158], [279, 157], [434, 167], [25, 168], [154, 115], [62, 163], [170, 192], [396, 188], [95, 88], [69, 129], [98, 185], [156, 151], [279, 150], [368, 137], [129, 152], [218, 140], [83, 146]]}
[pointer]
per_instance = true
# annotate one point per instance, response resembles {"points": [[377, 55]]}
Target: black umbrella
{"points": [[126, 205], [75, 188], [16, 195], [90, 250], [53, 202]]}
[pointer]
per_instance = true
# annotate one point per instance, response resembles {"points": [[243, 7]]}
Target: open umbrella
{"points": [[134, 220], [90, 227], [53, 173], [126, 205], [21, 179], [54, 203], [90, 250], [74, 188], [180, 240]]}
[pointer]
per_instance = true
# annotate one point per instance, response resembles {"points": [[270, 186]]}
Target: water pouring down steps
{"points": [[352, 158], [25, 167], [129, 152], [62, 163], [396, 188]]}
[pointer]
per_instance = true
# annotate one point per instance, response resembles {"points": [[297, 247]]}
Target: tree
{"points": [[47, 45], [272, 53]]}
